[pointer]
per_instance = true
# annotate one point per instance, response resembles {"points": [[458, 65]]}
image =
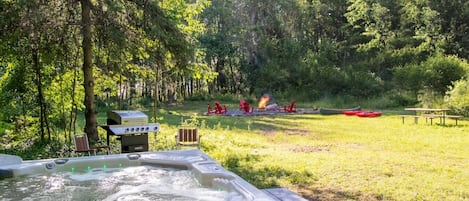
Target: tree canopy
{"points": [[61, 57]]}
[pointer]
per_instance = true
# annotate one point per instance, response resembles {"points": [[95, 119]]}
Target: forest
{"points": [[62, 57]]}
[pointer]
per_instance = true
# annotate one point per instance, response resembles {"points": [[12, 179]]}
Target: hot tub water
{"points": [[168, 175], [130, 183]]}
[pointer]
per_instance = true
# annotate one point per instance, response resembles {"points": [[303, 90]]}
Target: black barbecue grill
{"points": [[131, 127]]}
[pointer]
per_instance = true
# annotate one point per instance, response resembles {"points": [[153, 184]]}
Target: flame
{"points": [[263, 102]]}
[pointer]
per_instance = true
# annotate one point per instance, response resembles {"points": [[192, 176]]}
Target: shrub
{"points": [[431, 78], [458, 97], [442, 71]]}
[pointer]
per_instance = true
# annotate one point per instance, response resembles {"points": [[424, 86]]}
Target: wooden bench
{"points": [[416, 118], [455, 117], [442, 117], [433, 116]]}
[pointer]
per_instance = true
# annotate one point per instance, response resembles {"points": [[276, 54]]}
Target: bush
{"points": [[458, 97], [409, 78], [442, 71], [431, 78]]}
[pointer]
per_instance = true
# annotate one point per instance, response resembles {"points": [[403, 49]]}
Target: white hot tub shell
{"points": [[207, 171]]}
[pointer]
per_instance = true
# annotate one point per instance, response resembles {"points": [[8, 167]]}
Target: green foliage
{"points": [[458, 97], [58, 95], [374, 19], [397, 98], [390, 101], [431, 78], [409, 77], [364, 84], [32, 149], [441, 71], [335, 52], [324, 77], [217, 97], [17, 102]]}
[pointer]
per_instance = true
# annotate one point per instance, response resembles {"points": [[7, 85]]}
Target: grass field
{"points": [[335, 157], [322, 157]]}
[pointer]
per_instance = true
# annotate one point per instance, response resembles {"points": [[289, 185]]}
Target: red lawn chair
{"points": [[210, 110], [244, 106], [219, 109], [290, 108]]}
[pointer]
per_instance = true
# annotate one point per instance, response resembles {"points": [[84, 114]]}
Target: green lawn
{"points": [[335, 157]]}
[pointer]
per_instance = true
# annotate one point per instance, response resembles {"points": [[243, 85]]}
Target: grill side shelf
{"points": [[131, 129]]}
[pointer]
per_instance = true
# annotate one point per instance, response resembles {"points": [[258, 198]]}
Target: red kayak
{"points": [[352, 112], [369, 114]]}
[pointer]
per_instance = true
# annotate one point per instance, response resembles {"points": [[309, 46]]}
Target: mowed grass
{"points": [[335, 157]]}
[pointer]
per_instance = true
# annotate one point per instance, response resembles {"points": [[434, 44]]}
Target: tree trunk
{"points": [[155, 94], [132, 90], [222, 78], [120, 96], [37, 70], [73, 111], [182, 87], [91, 124], [234, 83], [191, 87]]}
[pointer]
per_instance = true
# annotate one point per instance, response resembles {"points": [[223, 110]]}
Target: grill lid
{"points": [[126, 117]]}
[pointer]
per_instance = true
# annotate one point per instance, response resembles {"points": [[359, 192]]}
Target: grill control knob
{"points": [[136, 129], [132, 129], [155, 128], [127, 130], [147, 128]]}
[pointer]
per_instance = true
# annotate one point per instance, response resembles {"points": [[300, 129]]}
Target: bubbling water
{"points": [[132, 183]]}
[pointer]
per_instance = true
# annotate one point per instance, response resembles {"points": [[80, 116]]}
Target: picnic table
{"points": [[430, 113]]}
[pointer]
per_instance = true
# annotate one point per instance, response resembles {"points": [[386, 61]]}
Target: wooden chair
{"points": [[187, 136], [82, 145]]}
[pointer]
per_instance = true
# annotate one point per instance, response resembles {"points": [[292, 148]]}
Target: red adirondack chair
{"points": [[290, 108], [244, 106], [210, 110], [219, 109]]}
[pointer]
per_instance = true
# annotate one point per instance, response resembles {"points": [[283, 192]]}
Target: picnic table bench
{"points": [[416, 118], [430, 114]]}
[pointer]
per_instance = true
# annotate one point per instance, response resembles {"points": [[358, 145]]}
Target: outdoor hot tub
{"points": [[168, 175]]}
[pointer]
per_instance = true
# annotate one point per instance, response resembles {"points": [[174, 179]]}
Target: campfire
{"points": [[265, 103], [266, 106]]}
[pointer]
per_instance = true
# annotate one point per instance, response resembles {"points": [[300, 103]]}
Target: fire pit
{"points": [[267, 106], [266, 102]]}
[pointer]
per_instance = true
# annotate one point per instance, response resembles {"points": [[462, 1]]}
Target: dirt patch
{"points": [[355, 146], [309, 149], [268, 132], [300, 132], [327, 194], [271, 132]]}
